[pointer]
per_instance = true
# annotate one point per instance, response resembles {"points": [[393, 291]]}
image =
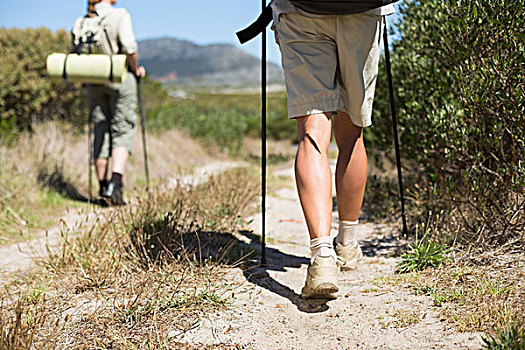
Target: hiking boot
{"points": [[102, 190], [102, 187], [115, 193], [348, 256], [321, 279]]}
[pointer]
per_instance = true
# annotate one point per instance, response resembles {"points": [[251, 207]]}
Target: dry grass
{"points": [[47, 171], [139, 278], [472, 297], [399, 318]]}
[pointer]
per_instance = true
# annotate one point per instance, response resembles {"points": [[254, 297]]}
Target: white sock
{"points": [[322, 246], [347, 232]]}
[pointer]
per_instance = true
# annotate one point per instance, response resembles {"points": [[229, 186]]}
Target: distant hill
{"points": [[171, 60]]}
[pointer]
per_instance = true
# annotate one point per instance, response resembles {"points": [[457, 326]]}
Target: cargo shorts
{"points": [[113, 111], [330, 63]]}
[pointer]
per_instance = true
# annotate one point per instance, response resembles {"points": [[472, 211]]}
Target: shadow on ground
{"points": [[202, 247], [56, 181], [383, 246]]}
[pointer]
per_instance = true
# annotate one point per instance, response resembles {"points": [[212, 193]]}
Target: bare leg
{"points": [[101, 164], [312, 173], [352, 167], [120, 157]]}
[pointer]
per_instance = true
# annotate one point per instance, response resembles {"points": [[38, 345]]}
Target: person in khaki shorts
{"points": [[330, 64], [113, 106]]}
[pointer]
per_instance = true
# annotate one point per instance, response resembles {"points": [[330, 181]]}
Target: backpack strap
{"points": [[256, 27], [111, 68], [64, 72], [103, 27]]}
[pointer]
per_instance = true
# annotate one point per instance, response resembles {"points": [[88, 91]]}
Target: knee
{"points": [[317, 140], [315, 133]]}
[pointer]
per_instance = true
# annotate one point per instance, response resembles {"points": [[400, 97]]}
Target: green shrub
{"points": [[221, 119], [458, 73], [26, 96]]}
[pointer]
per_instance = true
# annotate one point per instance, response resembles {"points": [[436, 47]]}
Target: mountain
{"points": [[177, 61]]}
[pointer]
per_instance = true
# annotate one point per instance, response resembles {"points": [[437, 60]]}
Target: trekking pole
{"points": [[143, 127], [90, 160], [394, 127], [263, 140]]}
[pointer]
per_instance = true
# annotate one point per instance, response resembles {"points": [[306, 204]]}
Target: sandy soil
{"points": [[268, 312]]}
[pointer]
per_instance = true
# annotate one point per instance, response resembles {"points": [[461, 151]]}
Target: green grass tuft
{"points": [[422, 254], [511, 338]]}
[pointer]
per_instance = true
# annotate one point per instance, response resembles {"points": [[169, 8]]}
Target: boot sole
{"points": [[324, 290]]}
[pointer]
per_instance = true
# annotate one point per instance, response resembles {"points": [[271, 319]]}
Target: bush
{"points": [[26, 96], [458, 71], [221, 119]]}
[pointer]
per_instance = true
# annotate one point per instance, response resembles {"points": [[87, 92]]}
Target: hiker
{"points": [[113, 106], [330, 64]]}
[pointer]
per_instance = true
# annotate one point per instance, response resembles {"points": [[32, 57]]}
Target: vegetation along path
{"points": [[23, 255]]}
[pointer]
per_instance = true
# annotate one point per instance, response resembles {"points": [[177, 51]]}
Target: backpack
{"points": [[339, 7], [320, 7], [89, 35]]}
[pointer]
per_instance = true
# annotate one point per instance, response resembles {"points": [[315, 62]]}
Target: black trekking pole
{"points": [[263, 141], [394, 127], [143, 127], [91, 156], [245, 35]]}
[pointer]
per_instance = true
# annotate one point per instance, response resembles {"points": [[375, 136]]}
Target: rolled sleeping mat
{"points": [[87, 68]]}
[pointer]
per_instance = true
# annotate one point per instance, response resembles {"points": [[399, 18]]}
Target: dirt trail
{"points": [[23, 255], [268, 313]]}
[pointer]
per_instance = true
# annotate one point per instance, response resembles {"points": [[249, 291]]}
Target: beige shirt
{"points": [[284, 6], [117, 22]]}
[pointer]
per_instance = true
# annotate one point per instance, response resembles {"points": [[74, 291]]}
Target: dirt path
{"points": [[268, 313]]}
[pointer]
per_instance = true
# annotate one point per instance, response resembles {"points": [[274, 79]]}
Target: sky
{"points": [[199, 21]]}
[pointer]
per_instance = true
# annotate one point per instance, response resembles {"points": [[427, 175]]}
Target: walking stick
{"points": [[263, 140], [394, 127], [90, 160], [143, 127]]}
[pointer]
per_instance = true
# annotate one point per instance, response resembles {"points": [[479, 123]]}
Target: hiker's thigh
{"points": [[358, 42], [124, 123], [309, 59], [100, 113]]}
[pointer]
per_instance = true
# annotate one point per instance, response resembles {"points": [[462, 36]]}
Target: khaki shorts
{"points": [[330, 63], [113, 109]]}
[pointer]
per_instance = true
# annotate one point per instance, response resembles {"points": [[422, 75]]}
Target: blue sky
{"points": [[200, 21]]}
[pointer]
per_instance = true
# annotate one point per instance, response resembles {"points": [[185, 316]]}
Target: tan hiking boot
{"points": [[321, 279], [349, 256]]}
